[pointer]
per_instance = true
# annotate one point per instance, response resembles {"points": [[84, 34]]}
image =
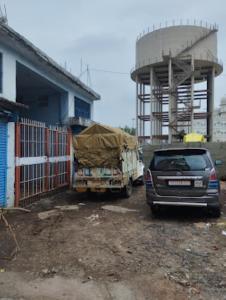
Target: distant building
{"points": [[219, 133], [219, 123]]}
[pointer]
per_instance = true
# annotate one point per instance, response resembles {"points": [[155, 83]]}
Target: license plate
{"points": [[179, 183], [198, 183]]}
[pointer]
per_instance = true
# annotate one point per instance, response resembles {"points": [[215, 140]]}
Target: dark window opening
{"points": [[82, 109]]}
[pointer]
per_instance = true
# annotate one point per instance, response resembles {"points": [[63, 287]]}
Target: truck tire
{"points": [[142, 182], [128, 189]]}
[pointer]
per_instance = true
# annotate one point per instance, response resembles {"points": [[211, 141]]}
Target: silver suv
{"points": [[183, 177]]}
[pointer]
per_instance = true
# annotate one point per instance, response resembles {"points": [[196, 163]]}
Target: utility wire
{"points": [[109, 71]]}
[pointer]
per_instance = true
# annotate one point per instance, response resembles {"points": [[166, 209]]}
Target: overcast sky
{"points": [[103, 34]]}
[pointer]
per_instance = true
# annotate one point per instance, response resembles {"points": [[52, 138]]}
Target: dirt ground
{"points": [[93, 253]]}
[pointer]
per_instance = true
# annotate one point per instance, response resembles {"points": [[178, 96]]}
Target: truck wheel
{"points": [[128, 189], [142, 182]]}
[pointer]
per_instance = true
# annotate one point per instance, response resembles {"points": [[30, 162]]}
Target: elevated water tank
{"points": [[169, 62]]}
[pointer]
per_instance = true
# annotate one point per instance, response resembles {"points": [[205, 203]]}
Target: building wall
{"points": [[45, 110], [61, 111], [10, 57], [64, 107]]}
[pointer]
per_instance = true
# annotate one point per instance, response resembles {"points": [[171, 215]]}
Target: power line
{"points": [[109, 71]]}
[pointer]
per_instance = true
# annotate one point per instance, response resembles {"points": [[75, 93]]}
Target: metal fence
{"points": [[42, 159]]}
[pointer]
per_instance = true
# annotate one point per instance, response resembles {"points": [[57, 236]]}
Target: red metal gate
{"points": [[42, 159]]}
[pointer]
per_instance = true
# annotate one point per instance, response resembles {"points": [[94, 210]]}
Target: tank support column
{"points": [[192, 93], [210, 104], [172, 104], [137, 104], [151, 105]]}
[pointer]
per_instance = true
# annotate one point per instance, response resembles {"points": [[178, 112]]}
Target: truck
{"points": [[106, 159]]}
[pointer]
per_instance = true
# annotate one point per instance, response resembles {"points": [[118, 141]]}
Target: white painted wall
{"points": [[8, 73], [10, 165], [71, 104]]}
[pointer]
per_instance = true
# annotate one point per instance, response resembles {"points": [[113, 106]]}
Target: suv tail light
{"points": [[213, 185], [213, 175]]}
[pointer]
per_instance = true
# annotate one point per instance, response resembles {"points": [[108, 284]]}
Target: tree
{"points": [[129, 130]]}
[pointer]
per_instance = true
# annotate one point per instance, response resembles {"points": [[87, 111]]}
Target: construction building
{"points": [[174, 74]]}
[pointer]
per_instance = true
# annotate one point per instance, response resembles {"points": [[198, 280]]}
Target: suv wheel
{"points": [[215, 212], [155, 210]]}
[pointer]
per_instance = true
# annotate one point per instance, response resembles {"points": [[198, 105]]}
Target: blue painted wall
{"points": [[3, 162]]}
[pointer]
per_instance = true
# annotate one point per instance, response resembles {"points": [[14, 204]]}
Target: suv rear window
{"points": [[180, 160]]}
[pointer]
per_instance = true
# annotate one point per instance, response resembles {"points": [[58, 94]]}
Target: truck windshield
{"points": [[180, 160]]}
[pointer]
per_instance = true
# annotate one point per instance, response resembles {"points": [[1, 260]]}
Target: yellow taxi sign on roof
{"points": [[193, 138]]}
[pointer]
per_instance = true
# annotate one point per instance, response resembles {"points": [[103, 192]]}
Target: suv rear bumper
{"points": [[204, 201]]}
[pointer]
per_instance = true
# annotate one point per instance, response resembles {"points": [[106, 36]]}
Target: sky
{"points": [[102, 34]]}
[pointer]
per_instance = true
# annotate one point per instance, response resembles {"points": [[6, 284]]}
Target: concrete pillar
{"points": [[172, 105], [192, 94], [160, 104], [140, 109], [154, 118], [170, 83], [160, 110], [71, 104], [137, 133], [144, 110], [151, 105], [210, 104]]}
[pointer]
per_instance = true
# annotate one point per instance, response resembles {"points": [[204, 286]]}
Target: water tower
{"points": [[171, 62]]}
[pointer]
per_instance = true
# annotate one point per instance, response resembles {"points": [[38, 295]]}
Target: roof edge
{"points": [[11, 105], [45, 58]]}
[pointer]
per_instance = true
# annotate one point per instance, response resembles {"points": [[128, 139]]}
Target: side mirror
{"points": [[218, 162]]}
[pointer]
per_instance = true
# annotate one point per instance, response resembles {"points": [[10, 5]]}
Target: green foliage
{"points": [[129, 130]]}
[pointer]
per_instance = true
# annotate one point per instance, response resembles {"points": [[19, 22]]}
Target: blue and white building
{"points": [[34, 86]]}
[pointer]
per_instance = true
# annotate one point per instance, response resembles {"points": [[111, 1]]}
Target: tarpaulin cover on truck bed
{"points": [[100, 146]]}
